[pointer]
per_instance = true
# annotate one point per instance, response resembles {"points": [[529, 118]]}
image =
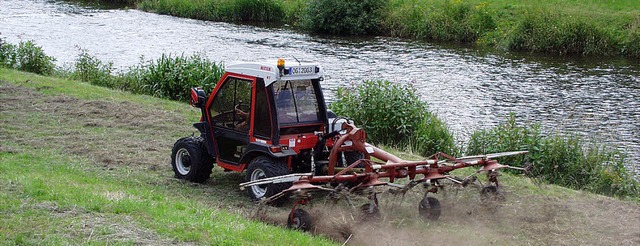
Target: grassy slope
{"points": [[94, 170], [53, 193]]}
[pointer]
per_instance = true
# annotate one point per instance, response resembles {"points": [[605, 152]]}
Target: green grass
{"points": [[56, 199], [576, 27], [50, 195], [54, 192]]}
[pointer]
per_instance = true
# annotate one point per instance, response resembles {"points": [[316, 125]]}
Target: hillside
{"points": [[82, 164]]}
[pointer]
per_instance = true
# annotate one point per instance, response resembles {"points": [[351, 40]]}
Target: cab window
{"points": [[296, 101], [231, 107]]}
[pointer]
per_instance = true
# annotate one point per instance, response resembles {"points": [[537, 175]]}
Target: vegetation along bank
{"points": [[568, 161], [574, 27]]}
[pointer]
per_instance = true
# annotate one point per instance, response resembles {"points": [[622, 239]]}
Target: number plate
{"points": [[302, 70]]}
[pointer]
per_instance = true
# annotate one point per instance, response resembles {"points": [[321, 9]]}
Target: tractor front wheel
{"points": [[190, 160], [264, 167]]}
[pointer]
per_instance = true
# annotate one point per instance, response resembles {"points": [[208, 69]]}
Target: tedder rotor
{"points": [[364, 174]]}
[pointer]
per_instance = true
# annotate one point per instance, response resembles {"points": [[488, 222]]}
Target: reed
{"points": [[219, 10], [568, 161]]}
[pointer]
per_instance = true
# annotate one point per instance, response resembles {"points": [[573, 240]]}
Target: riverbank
{"points": [[104, 178], [570, 161], [584, 28]]}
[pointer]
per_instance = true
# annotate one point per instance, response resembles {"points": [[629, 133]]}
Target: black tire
{"points": [[490, 194], [351, 157], [265, 167], [190, 160], [370, 212], [429, 208], [299, 219]]}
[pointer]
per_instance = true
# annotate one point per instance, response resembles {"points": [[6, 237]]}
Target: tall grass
{"points": [[219, 10], [455, 21], [172, 77], [564, 160], [169, 77]]}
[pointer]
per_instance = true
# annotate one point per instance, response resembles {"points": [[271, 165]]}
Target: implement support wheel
{"points": [[299, 220], [429, 208]]}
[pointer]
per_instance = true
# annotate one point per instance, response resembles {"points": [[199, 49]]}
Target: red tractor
{"points": [[266, 118], [272, 121]]}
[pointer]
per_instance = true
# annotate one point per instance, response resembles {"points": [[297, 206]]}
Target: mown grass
{"points": [[53, 196], [48, 198], [578, 27]]}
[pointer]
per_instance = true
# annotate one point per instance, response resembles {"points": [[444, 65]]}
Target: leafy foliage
{"points": [[26, 56], [351, 17], [393, 114]]}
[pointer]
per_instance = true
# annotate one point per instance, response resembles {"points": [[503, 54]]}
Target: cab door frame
{"points": [[223, 136]]}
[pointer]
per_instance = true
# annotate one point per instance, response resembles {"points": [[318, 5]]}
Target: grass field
{"points": [[81, 164]]}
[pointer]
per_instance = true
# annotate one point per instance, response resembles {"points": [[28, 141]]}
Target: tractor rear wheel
{"points": [[190, 160], [264, 167], [299, 219], [429, 208]]}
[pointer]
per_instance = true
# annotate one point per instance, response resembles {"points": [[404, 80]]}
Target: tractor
{"points": [[269, 120], [264, 118]]}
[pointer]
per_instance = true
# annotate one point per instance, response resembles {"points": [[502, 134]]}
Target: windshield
{"points": [[296, 101]]}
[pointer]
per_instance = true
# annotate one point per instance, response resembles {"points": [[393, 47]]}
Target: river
{"points": [[468, 88]]}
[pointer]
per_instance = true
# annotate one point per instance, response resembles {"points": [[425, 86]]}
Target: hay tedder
{"points": [[272, 121]]}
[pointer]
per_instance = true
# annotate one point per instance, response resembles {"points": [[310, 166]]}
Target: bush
{"points": [[393, 114], [26, 56], [344, 17], [565, 161]]}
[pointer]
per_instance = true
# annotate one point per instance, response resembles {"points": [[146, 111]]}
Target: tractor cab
{"points": [[263, 117]]}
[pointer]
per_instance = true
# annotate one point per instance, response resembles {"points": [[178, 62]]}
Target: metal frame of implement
{"points": [[433, 169]]}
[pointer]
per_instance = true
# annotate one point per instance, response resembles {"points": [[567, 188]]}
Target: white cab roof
{"points": [[268, 70]]}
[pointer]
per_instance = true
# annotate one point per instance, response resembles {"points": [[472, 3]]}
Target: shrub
{"points": [[26, 56], [344, 17], [565, 161], [393, 114]]}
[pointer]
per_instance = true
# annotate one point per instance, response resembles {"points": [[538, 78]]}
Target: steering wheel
{"points": [[242, 112]]}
